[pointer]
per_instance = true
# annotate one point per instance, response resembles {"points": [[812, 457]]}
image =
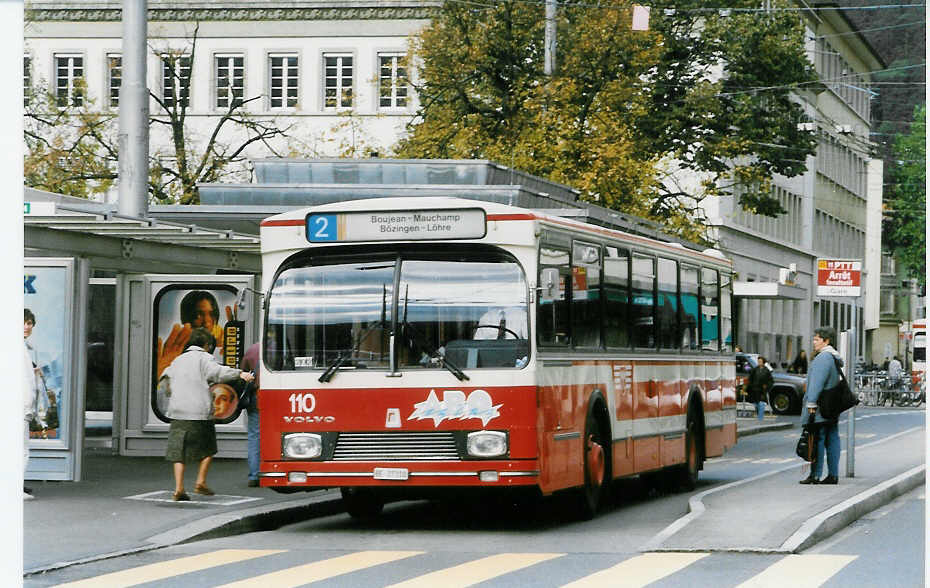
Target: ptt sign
{"points": [[839, 277]]}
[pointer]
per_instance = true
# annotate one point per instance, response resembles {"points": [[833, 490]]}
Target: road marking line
{"points": [[799, 571], [322, 570], [479, 570], [639, 571], [174, 567]]}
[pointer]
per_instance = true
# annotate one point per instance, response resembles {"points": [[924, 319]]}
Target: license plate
{"points": [[391, 473]]}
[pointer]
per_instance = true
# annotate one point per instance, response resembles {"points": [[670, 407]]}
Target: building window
{"points": [[282, 71], [69, 80], [27, 79], [114, 77], [392, 87], [230, 80], [176, 80], [886, 305], [888, 265], [338, 80]]}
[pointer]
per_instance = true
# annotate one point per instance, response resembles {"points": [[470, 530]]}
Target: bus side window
{"points": [[642, 316], [617, 297], [552, 314], [710, 310], [668, 309], [586, 295], [690, 316]]}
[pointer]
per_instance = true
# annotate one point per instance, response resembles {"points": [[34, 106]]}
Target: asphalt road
{"points": [[458, 543]]}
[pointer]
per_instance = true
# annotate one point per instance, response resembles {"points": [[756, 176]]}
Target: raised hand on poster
{"points": [[173, 346]]}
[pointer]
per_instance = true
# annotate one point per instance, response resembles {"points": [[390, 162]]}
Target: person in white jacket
{"points": [[192, 434], [29, 409]]}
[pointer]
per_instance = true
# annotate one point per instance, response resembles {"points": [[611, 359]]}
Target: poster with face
{"points": [[44, 332], [177, 310]]}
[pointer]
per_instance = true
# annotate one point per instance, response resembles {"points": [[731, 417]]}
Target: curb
{"points": [[764, 428], [832, 520]]}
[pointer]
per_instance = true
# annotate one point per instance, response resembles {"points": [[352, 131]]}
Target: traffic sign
{"points": [[839, 277]]}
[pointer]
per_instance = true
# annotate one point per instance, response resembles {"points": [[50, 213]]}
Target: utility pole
{"points": [[551, 44], [134, 112]]}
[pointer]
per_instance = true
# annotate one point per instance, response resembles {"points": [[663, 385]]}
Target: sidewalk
{"points": [[123, 504]]}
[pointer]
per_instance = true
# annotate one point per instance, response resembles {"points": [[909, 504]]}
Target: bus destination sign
{"points": [[403, 225], [839, 277]]}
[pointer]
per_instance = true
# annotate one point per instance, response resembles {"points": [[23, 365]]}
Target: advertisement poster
{"points": [[45, 295], [177, 309]]}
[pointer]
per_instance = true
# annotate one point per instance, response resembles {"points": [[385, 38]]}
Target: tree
{"points": [[905, 218], [626, 110], [72, 147]]}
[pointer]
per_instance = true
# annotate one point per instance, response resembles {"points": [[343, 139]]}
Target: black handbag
{"points": [[832, 402], [805, 447], [247, 399]]}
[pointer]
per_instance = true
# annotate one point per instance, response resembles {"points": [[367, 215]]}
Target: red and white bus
{"points": [[413, 344]]}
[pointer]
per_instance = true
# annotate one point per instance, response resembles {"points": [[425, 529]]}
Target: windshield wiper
{"points": [[331, 369], [433, 354]]}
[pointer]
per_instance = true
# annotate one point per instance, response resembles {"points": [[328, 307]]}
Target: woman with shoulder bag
{"points": [[822, 374]]}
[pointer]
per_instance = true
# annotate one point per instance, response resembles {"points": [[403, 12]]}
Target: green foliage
{"points": [[627, 110], [63, 146], [905, 220]]}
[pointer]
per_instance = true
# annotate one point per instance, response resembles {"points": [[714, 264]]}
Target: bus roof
{"points": [[494, 211]]}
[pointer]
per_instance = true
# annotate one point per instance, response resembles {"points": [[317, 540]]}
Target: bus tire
{"points": [[361, 503], [688, 472], [595, 462]]}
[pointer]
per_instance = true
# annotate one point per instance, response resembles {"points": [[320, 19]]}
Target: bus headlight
{"points": [[302, 445], [486, 444]]}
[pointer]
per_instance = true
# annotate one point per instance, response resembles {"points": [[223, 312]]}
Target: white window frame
{"points": [[233, 92], [342, 91], [169, 101], [284, 98], [72, 74], [113, 99], [394, 86]]}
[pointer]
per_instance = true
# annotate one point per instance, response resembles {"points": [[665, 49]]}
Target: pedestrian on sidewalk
{"points": [[822, 375], [250, 363], [758, 386], [29, 388], [799, 366], [192, 433]]}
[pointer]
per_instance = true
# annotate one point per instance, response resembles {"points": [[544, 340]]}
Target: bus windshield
{"points": [[467, 309]]}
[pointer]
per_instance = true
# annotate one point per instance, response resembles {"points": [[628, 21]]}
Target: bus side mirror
{"points": [[548, 284]]}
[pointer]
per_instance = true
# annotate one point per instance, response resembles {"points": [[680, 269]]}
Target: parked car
{"points": [[787, 391]]}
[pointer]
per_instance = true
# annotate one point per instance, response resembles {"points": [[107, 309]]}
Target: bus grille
{"points": [[413, 446]]}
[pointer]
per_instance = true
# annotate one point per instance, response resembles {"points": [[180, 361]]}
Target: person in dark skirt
{"points": [[192, 434]]}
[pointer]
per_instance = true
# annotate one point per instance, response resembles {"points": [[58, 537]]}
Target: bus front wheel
{"points": [[361, 503], [596, 463]]}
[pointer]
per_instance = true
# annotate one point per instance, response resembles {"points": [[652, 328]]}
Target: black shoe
{"points": [[27, 490], [829, 480], [809, 480], [253, 483]]}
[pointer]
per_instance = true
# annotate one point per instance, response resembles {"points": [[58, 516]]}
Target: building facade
{"points": [[334, 72]]}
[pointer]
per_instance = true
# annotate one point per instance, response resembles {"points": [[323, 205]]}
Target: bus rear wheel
{"points": [[361, 503], [688, 471], [596, 463]]}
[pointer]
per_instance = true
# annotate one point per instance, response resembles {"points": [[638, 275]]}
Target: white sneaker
{"points": [[28, 496]]}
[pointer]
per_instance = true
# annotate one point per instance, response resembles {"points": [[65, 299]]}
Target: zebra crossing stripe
{"points": [[479, 570], [170, 568], [322, 570], [799, 571], [639, 571]]}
